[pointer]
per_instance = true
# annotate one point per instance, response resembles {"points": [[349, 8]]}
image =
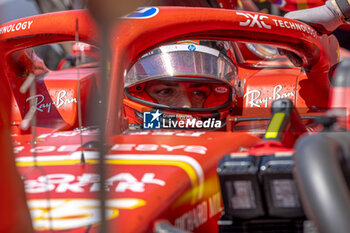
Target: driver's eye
{"points": [[165, 92], [199, 93]]}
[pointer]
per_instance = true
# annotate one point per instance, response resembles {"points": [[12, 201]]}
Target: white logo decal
{"points": [[154, 147], [253, 100], [60, 101], [254, 19], [16, 27], [295, 26], [143, 13], [221, 90], [200, 213], [61, 183], [116, 147]]}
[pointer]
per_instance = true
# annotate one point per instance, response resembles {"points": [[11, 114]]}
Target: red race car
{"points": [[166, 157]]}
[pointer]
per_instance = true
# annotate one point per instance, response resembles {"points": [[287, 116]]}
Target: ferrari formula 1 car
{"points": [[165, 180]]}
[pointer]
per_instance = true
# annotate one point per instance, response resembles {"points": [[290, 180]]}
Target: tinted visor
{"points": [[182, 60]]}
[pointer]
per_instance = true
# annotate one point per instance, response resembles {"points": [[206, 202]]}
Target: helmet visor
{"points": [[181, 60]]}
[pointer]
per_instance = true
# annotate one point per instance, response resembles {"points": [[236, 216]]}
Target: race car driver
{"points": [[189, 79]]}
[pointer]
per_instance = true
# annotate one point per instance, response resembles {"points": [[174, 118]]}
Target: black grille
{"points": [[264, 226]]}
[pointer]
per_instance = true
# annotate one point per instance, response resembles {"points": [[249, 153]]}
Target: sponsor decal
{"points": [[143, 13], [252, 98], [192, 47], [65, 214], [295, 26], [40, 105], [157, 120], [188, 164], [16, 27], [200, 213], [90, 182], [194, 218], [116, 148], [221, 90], [254, 19], [154, 147]]}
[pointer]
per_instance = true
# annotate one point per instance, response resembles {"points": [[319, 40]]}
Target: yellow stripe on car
{"points": [[275, 125]]}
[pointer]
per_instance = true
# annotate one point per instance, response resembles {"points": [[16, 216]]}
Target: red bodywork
{"points": [[152, 175]]}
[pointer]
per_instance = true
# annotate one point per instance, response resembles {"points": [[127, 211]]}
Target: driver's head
{"points": [[185, 78]]}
